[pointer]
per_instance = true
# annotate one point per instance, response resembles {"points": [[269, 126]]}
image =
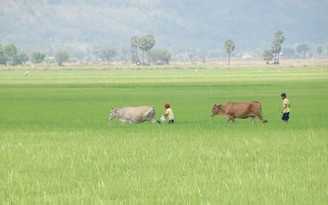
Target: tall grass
{"points": [[58, 147]]}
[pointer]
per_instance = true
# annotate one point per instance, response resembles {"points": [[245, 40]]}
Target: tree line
{"points": [[301, 51], [143, 52], [145, 44], [10, 56]]}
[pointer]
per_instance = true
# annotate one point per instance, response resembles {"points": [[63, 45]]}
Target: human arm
{"points": [[284, 107]]}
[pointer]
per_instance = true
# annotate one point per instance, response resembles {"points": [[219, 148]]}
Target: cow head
{"points": [[216, 109], [113, 114]]}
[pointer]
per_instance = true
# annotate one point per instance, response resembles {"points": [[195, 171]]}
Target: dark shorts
{"points": [[171, 121], [285, 116]]}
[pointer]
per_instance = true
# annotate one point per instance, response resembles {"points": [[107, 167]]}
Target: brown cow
{"points": [[134, 114], [232, 110]]}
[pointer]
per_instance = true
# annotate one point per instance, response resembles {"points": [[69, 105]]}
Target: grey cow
{"points": [[134, 114]]}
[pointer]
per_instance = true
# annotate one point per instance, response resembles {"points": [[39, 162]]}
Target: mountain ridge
{"points": [[177, 25]]}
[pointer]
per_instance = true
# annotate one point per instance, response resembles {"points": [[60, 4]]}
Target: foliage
{"points": [[109, 54], [160, 56], [37, 57], [135, 42], [267, 56], [61, 57], [319, 50], [135, 45], [288, 52], [142, 45], [10, 51], [135, 59], [276, 45], [229, 47], [10, 56], [302, 50], [23, 58], [150, 43], [145, 44], [2, 56]]}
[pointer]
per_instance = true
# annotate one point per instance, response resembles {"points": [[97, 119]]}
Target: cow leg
{"points": [[253, 120], [228, 119], [233, 120], [261, 118], [154, 121]]}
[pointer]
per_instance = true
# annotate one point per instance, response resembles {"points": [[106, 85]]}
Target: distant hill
{"points": [[179, 25]]}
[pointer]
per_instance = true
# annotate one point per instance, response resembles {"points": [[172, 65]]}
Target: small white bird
{"points": [[26, 73]]}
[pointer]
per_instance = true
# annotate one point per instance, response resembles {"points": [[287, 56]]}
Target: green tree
{"points": [[288, 52], [319, 50], [10, 53], [135, 45], [22, 58], [302, 50], [135, 59], [267, 56], [2, 56], [145, 44], [37, 57], [10, 50], [109, 54], [150, 43], [61, 57], [160, 56], [124, 53], [276, 45], [12, 57], [142, 43], [229, 47]]}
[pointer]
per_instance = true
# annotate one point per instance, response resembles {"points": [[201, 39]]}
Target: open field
{"points": [[58, 147]]}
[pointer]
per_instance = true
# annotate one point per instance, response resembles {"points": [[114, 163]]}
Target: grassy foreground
{"points": [[58, 147]]}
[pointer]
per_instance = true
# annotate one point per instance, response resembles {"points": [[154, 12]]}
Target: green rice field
{"points": [[57, 145]]}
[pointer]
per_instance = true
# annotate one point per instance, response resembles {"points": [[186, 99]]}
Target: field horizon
{"points": [[58, 147]]}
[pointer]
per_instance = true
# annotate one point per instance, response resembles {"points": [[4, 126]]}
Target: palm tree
{"points": [[150, 43], [276, 47], [229, 47], [135, 45]]}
